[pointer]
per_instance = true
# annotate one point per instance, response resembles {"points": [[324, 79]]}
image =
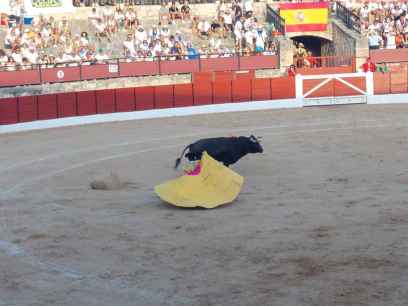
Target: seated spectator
{"points": [[3, 58], [10, 64], [185, 11], [32, 55], [101, 30], [204, 28], [17, 56], [217, 27], [164, 15], [191, 51], [140, 35], [174, 12]]}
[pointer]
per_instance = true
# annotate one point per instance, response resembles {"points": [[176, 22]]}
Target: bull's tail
{"points": [[178, 160]]}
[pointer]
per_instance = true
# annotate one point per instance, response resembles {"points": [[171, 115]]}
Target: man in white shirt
{"points": [[374, 40], [248, 8], [129, 46], [228, 20], [203, 27], [140, 35], [17, 56], [32, 55]]}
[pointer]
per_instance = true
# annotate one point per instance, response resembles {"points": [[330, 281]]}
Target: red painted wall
{"points": [[47, 107], [183, 95], [105, 101], [27, 109], [125, 99], [86, 102], [230, 87], [67, 104], [8, 111]]}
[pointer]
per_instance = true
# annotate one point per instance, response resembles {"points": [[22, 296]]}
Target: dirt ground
{"points": [[322, 218]]}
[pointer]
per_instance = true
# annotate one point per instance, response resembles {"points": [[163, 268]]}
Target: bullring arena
{"points": [[321, 219], [99, 97]]}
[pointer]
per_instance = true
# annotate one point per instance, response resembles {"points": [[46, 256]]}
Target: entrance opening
{"points": [[312, 43]]}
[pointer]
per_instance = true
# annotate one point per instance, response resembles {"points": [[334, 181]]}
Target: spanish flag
{"points": [[305, 16]]}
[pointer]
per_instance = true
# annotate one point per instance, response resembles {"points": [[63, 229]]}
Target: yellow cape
{"points": [[215, 185]]}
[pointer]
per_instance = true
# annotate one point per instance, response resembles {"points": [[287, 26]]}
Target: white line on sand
{"points": [[158, 139], [123, 155]]}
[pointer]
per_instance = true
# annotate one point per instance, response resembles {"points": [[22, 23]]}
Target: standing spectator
{"points": [[129, 46], [291, 71], [369, 66], [164, 15], [374, 40]]}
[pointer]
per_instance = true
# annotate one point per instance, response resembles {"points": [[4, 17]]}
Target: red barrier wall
{"points": [[15, 78], [258, 62], [86, 102], [222, 92], [8, 111], [202, 77], [63, 74], [105, 101], [231, 87], [283, 88], [144, 98], [179, 66], [67, 104], [99, 71], [389, 55], [125, 99], [241, 90], [27, 109], [183, 95], [203, 93], [47, 107], [138, 68], [219, 64], [261, 89], [164, 96], [382, 83]]}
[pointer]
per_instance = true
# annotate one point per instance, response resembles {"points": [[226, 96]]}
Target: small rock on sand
{"points": [[110, 182]]}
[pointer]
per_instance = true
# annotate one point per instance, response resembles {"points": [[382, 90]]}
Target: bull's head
{"points": [[255, 145]]}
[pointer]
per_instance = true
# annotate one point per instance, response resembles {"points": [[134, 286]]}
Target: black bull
{"points": [[227, 150]]}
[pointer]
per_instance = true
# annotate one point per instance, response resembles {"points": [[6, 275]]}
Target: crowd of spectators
{"points": [[50, 42], [384, 22]]}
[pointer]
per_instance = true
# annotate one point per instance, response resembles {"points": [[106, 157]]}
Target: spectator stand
{"points": [[349, 18], [277, 21]]}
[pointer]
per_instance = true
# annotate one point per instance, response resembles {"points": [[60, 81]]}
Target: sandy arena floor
{"points": [[322, 218]]}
